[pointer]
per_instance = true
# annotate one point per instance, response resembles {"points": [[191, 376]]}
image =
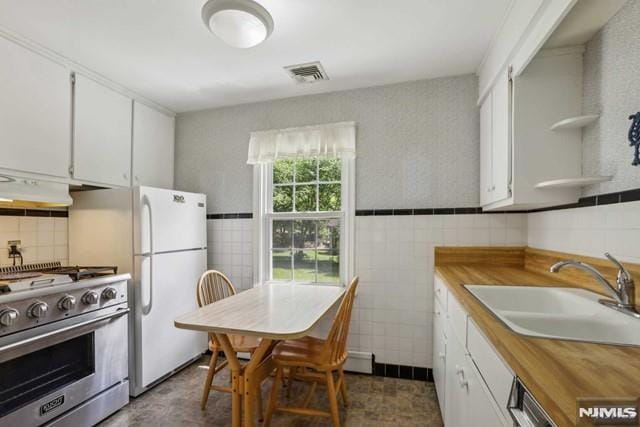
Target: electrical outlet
{"points": [[14, 248]]}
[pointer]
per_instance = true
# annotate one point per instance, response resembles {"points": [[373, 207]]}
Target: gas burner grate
{"points": [[82, 272], [30, 267]]}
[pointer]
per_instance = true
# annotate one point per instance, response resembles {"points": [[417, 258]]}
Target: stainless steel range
{"points": [[63, 344]]}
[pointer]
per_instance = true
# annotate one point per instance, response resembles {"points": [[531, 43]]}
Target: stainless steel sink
{"points": [[561, 313]]}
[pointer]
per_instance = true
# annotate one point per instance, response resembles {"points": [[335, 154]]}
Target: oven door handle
{"points": [[119, 313]]}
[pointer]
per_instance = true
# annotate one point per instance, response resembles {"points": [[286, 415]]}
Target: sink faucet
{"points": [[624, 295]]}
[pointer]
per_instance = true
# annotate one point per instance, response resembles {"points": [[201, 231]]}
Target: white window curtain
{"points": [[327, 140]]}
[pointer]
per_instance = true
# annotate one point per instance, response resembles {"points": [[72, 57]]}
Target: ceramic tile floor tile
{"points": [[373, 401]]}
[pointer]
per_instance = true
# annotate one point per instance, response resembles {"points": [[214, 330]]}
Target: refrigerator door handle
{"points": [[146, 309]]}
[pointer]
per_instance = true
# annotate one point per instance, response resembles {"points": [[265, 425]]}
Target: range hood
{"points": [[31, 193]]}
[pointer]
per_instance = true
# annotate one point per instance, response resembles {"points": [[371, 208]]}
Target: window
{"points": [[306, 249], [304, 203]]}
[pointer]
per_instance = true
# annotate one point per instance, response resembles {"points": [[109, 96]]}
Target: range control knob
{"points": [[109, 293], [8, 316], [37, 309], [90, 297], [67, 302]]}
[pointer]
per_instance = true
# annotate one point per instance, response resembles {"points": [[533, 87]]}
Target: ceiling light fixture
{"points": [[239, 23]]}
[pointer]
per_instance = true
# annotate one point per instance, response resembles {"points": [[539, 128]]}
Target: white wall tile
{"points": [[41, 239]]}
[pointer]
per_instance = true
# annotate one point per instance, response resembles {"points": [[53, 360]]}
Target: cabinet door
{"points": [[501, 139], [102, 134], [486, 155], [456, 395], [35, 112], [482, 410], [439, 356], [153, 147]]}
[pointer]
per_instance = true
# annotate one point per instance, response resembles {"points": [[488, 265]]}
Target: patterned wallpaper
{"points": [[612, 88], [417, 144]]}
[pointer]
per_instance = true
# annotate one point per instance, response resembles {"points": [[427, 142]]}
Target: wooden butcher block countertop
{"points": [[556, 372]]}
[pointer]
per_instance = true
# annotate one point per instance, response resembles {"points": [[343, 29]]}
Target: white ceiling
{"points": [[162, 50]]}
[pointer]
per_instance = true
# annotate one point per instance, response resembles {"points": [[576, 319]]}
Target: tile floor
{"points": [[373, 401]]}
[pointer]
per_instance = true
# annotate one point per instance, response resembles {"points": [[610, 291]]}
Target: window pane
{"points": [[306, 170], [329, 197], [281, 265], [330, 169], [328, 266], [305, 198], [283, 199], [304, 234], [304, 262], [283, 171], [281, 234], [329, 251]]}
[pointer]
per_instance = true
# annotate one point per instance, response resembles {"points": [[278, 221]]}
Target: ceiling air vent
{"points": [[307, 73]]}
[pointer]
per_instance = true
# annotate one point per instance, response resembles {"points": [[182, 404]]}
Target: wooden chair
{"points": [[315, 360], [214, 286]]}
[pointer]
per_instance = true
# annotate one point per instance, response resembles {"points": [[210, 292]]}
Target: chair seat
{"points": [[305, 351], [240, 343]]}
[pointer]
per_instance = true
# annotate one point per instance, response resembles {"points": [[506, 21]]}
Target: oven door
{"points": [[50, 369]]}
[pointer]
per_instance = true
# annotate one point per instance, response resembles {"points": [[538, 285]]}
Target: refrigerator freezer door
{"points": [[167, 220], [160, 346]]}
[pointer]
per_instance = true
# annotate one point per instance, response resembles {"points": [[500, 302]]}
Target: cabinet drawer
{"points": [[495, 372], [440, 291], [457, 319]]}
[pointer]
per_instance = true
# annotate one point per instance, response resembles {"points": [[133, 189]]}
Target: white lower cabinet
{"points": [[439, 354], [470, 394]]}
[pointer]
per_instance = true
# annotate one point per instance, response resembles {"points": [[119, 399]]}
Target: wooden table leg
{"points": [[252, 376], [236, 377]]}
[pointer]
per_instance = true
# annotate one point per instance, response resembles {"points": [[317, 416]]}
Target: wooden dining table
{"points": [[273, 312]]}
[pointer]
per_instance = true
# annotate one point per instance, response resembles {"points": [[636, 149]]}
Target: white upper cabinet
{"points": [[35, 113], [102, 134], [495, 143], [486, 149], [501, 138], [153, 147]]}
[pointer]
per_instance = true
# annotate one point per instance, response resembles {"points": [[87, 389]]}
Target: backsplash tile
{"points": [[589, 231], [43, 239]]}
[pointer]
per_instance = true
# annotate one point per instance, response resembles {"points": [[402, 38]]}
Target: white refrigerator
{"points": [[158, 236]]}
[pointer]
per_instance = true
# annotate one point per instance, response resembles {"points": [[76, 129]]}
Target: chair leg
{"points": [[259, 403], [343, 387], [333, 400], [209, 380], [273, 398]]}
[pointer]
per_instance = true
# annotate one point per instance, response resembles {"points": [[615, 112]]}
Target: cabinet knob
{"points": [[493, 188], [125, 175]]}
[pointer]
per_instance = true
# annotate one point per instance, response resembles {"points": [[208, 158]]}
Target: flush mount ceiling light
{"points": [[239, 23]]}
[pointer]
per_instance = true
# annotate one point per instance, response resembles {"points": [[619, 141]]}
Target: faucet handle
{"points": [[624, 277]]}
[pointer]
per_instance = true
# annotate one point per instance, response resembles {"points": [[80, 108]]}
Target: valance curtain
{"points": [[328, 140]]}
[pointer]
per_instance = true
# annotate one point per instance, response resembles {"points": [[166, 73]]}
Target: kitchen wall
{"points": [[589, 231], [392, 317], [611, 89], [44, 239], [417, 144]]}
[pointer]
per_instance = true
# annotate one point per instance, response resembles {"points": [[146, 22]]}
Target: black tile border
{"points": [[42, 213], [242, 215], [597, 200], [405, 372]]}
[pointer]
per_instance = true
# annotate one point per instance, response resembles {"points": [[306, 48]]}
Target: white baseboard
{"points": [[359, 361]]}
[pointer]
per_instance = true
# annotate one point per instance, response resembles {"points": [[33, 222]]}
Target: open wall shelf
{"points": [[575, 122], [573, 182]]}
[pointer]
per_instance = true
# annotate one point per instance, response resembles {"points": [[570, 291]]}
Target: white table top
{"points": [[277, 311]]}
